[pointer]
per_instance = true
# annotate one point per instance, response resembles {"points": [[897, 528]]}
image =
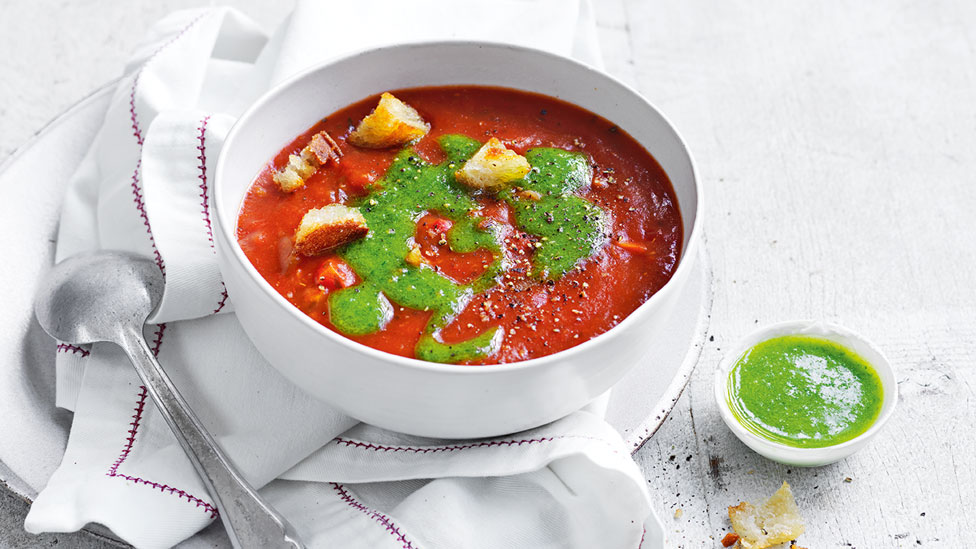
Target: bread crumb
{"points": [[777, 520], [413, 256], [392, 122], [678, 512], [730, 539], [492, 167], [325, 229], [300, 167]]}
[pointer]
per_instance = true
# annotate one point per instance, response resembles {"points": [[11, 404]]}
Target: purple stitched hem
{"points": [[388, 523], [457, 447], [73, 349], [136, 186], [205, 198], [202, 157], [176, 491], [133, 115], [137, 133], [223, 299], [130, 440], [158, 339]]}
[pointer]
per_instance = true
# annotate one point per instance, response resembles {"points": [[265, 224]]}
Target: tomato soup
{"points": [[456, 274]]}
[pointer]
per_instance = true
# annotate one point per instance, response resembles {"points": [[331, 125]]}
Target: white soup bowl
{"points": [[409, 395]]}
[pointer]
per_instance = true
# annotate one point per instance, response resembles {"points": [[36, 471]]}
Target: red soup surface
{"points": [[448, 273]]}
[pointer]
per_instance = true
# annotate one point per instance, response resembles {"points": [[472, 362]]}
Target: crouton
{"points": [[492, 167], [318, 152], [293, 176], [321, 149], [776, 521], [392, 122], [325, 229]]}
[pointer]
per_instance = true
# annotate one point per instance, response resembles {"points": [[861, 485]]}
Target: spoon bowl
{"points": [[117, 290]]}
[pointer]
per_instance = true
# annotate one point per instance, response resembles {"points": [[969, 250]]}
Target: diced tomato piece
{"points": [[730, 539], [438, 226], [334, 273]]}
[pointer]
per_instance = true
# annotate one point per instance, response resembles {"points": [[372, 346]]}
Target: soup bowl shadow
{"points": [[405, 394]]}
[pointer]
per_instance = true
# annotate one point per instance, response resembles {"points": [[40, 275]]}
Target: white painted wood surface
{"points": [[837, 145]]}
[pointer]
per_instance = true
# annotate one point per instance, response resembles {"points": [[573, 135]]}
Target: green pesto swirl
{"points": [[570, 230]]}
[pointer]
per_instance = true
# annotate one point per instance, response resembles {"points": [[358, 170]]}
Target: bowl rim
{"points": [[812, 328], [228, 225]]}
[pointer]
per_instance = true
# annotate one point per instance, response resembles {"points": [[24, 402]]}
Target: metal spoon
{"points": [[107, 296]]}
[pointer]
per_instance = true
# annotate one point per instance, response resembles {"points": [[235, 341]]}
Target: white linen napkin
{"points": [[144, 187]]}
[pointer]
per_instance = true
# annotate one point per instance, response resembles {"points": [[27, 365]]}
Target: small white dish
{"points": [[791, 455]]}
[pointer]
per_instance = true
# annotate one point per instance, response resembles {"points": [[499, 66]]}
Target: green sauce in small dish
{"points": [[804, 391]]}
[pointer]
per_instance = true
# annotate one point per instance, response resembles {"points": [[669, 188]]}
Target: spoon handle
{"points": [[249, 520]]}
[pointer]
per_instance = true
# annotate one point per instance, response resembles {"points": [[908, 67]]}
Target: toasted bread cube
{"points": [[776, 521], [301, 166], [492, 167], [320, 149], [392, 122], [325, 229], [293, 176]]}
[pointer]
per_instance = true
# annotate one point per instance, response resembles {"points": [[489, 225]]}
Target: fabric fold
{"points": [[177, 170]]}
